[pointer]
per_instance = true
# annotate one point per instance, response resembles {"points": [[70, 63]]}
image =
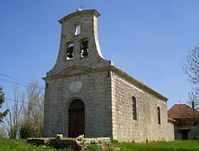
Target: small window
{"points": [[134, 108], [108, 74], [46, 85], [69, 51], [78, 30], [159, 117], [84, 48]]}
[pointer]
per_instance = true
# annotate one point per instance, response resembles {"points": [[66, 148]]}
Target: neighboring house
{"points": [[86, 94], [186, 123]]}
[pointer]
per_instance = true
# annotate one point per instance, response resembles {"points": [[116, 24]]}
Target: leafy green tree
{"points": [[2, 100]]}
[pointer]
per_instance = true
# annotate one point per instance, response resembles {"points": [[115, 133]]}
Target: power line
{"points": [[13, 78], [19, 82], [9, 81], [13, 100]]}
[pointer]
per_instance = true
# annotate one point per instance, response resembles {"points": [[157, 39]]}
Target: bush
{"points": [[30, 130], [3, 133]]}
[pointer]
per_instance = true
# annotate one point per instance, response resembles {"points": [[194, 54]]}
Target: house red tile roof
{"points": [[182, 111]]}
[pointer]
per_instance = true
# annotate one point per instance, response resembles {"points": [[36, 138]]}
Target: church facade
{"points": [[86, 94]]}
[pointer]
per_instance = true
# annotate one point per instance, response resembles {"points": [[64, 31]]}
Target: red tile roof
{"points": [[182, 111]]}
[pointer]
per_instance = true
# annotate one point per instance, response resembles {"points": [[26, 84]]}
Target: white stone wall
{"points": [[93, 88], [96, 95], [171, 132], [146, 127], [107, 97]]}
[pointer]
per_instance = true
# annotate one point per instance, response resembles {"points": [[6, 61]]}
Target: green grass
{"points": [[21, 145], [159, 146]]}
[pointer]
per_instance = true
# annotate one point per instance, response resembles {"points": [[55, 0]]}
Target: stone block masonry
{"points": [[146, 127], [87, 95]]}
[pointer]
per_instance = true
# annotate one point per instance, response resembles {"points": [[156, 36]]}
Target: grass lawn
{"points": [[21, 145], [159, 146]]}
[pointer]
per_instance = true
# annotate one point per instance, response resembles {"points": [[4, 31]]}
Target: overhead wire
{"points": [[13, 78], [17, 100], [16, 81]]}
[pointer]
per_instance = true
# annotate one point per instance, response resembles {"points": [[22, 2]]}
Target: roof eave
{"points": [[139, 84]]}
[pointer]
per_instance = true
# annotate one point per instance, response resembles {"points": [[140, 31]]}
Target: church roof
{"points": [[182, 111]]}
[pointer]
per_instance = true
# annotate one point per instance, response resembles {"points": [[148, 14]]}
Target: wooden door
{"points": [[76, 124], [184, 134]]}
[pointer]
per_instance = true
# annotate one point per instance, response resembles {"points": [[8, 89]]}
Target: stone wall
{"points": [[193, 133], [96, 95], [107, 96], [77, 144], [171, 133], [146, 127], [77, 79]]}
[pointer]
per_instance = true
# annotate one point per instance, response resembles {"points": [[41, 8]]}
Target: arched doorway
{"points": [[76, 120]]}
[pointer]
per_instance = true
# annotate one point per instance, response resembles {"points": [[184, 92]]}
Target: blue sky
{"points": [[147, 39]]}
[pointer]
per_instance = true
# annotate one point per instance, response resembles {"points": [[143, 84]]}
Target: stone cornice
{"points": [[84, 70], [78, 13]]}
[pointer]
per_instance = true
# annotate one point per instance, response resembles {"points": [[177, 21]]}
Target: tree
{"points": [[2, 100], [14, 118], [25, 118], [191, 68], [32, 124]]}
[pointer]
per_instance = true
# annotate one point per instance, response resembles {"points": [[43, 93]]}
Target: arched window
{"points": [[158, 113], [134, 108], [69, 51], [78, 30], [84, 48]]}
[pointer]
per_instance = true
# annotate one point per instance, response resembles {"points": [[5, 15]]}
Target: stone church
{"points": [[86, 94]]}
